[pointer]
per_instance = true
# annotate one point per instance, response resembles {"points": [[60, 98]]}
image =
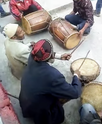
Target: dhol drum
{"points": [[88, 71], [36, 21], [63, 32], [92, 94]]}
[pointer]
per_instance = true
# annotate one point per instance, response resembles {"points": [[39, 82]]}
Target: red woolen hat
{"points": [[42, 50]]}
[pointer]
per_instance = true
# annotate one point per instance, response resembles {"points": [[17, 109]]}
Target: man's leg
{"points": [[84, 111], [3, 13], [31, 8], [73, 19], [1, 10], [81, 25], [78, 21], [98, 6]]}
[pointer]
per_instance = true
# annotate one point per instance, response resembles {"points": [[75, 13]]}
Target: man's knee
{"points": [[86, 108], [33, 8], [80, 26], [68, 17]]}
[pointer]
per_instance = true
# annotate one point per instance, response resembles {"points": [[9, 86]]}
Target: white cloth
{"points": [[76, 75], [17, 54], [57, 56], [10, 30]]}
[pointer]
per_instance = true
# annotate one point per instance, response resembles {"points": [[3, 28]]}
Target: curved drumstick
{"points": [[77, 46], [84, 60]]}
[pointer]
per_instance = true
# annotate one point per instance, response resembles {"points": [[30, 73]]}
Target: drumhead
{"points": [[89, 70], [92, 93], [72, 40], [26, 25]]}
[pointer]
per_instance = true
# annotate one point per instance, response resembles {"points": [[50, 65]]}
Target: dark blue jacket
{"points": [[41, 88]]}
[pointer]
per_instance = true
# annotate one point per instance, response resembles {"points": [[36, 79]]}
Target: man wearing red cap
{"points": [[42, 86]]}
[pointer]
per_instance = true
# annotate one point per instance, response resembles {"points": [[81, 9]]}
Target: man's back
{"points": [[41, 88], [12, 49]]}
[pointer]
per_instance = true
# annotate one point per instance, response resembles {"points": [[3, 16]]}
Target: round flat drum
{"points": [[92, 93], [89, 70]]}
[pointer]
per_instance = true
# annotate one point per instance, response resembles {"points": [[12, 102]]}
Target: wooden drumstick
{"points": [[64, 27], [12, 95], [77, 46], [84, 60]]}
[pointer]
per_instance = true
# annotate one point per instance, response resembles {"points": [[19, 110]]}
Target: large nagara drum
{"points": [[36, 21], [63, 32], [92, 94], [89, 71]]}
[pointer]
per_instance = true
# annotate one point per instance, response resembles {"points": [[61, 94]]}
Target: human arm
{"points": [[14, 11], [88, 12], [64, 56], [30, 44], [81, 32], [72, 12], [36, 4], [74, 8], [61, 89]]}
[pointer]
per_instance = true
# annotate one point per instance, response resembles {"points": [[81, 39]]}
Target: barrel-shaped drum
{"points": [[36, 21], [63, 32], [92, 94], [89, 70]]}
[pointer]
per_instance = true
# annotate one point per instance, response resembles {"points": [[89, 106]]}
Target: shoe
{"points": [[96, 14], [5, 14]]}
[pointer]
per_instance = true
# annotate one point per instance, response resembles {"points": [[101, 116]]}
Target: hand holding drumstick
{"points": [[77, 73], [65, 56]]}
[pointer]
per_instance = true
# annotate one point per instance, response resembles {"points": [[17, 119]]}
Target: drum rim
{"points": [[93, 82], [23, 18], [83, 98], [66, 38], [86, 58]]}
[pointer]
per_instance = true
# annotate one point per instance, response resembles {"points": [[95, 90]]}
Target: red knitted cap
{"points": [[42, 50]]}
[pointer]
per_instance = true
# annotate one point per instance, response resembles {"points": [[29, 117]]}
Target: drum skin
{"points": [[62, 31], [36, 21], [89, 71], [92, 94]]}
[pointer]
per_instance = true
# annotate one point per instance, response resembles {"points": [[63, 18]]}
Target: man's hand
{"points": [[32, 44], [77, 72], [81, 32], [65, 56], [21, 15]]}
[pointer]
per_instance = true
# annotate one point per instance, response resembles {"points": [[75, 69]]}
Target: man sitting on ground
{"points": [[21, 8], [16, 51], [81, 16]]}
